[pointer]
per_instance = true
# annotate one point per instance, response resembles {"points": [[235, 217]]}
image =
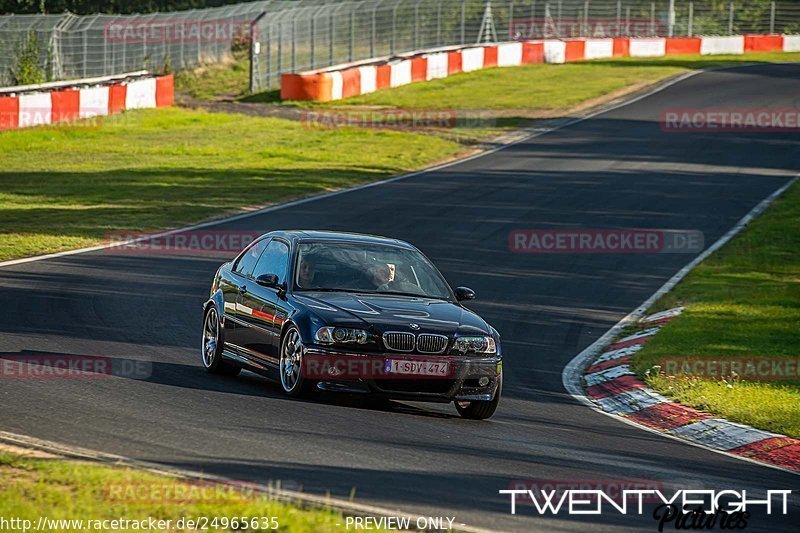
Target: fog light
{"points": [[483, 381]]}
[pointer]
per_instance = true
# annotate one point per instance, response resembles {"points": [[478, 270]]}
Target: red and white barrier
{"points": [[656, 47], [722, 45], [791, 43], [342, 81], [437, 66], [51, 103], [598, 48], [472, 59]]}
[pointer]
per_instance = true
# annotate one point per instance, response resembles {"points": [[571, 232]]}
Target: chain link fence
{"points": [[312, 37], [296, 35]]}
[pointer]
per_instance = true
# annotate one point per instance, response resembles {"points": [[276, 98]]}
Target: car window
{"points": [[274, 260], [247, 261], [366, 267]]}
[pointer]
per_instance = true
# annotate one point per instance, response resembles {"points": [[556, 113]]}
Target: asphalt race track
{"points": [[617, 170]]}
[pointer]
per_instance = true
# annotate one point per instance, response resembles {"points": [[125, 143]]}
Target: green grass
{"points": [[742, 301], [214, 81], [540, 86], [63, 187], [60, 489], [546, 86]]}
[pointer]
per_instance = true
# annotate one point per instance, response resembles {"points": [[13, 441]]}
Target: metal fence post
{"points": [[254, 53], [628, 21], [772, 17], [331, 31], [730, 18], [280, 48], [85, 51], [463, 20], [585, 32], [511, 33], [691, 19], [619, 18], [439, 23], [394, 27], [313, 46], [671, 18], [372, 39], [294, 43], [416, 25], [652, 18], [352, 37]]}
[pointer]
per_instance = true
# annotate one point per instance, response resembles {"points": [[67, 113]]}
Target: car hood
{"points": [[381, 313]]}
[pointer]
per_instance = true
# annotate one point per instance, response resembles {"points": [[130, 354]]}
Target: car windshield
{"points": [[369, 268]]}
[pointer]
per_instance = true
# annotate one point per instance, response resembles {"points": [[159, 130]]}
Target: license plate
{"points": [[417, 368]]}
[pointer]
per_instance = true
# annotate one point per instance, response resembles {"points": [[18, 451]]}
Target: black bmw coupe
{"points": [[351, 313]]}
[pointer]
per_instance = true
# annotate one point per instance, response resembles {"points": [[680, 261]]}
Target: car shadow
{"points": [[44, 365]]}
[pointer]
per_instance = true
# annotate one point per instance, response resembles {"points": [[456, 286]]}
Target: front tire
{"points": [[212, 346], [291, 365], [480, 409]]}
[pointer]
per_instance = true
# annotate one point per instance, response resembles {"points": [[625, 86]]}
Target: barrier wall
{"points": [[81, 100], [343, 81]]}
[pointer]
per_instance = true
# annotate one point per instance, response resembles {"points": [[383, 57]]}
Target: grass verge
{"points": [[59, 489], [530, 87], [743, 301], [65, 187], [543, 86]]}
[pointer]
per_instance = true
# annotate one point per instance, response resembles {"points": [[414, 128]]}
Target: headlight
{"points": [[475, 345], [331, 335]]}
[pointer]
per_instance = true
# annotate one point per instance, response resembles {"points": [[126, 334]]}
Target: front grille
{"points": [[430, 343], [399, 341]]}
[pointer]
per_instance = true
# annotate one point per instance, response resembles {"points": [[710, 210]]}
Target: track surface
{"points": [[618, 170]]}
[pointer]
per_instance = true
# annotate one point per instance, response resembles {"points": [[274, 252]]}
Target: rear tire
{"points": [[212, 346], [480, 409]]}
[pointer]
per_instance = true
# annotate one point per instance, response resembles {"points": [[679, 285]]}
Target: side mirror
{"points": [[464, 293], [268, 280]]}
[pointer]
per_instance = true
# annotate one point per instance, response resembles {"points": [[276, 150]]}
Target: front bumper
{"points": [[463, 383]]}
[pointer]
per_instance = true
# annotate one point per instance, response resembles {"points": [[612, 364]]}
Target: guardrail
{"points": [[68, 101], [352, 79]]}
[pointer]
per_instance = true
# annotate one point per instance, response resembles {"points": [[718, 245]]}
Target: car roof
{"points": [[337, 236]]}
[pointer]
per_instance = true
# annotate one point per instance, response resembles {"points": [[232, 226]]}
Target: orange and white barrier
{"points": [[598, 48], [343, 81], [655, 47], [791, 43], [722, 45], [25, 106]]}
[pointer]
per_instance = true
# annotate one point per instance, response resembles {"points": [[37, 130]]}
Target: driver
{"points": [[306, 271], [382, 275]]}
